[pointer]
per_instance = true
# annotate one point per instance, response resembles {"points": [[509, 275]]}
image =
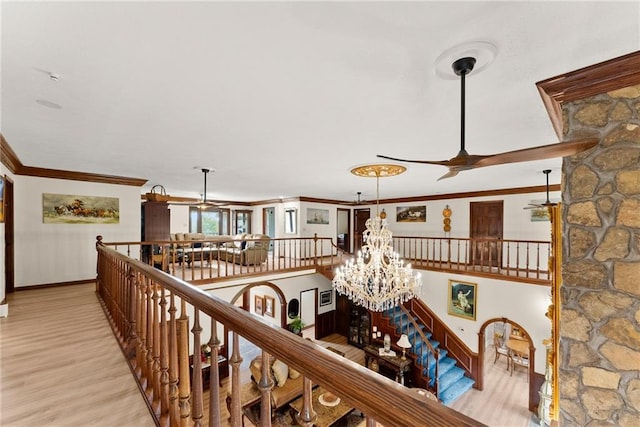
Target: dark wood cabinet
{"points": [[353, 321], [155, 226]]}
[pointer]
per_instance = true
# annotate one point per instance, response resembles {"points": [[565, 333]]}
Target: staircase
{"points": [[452, 382]]}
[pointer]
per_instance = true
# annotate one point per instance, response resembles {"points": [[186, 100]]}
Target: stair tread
{"points": [[456, 390]]}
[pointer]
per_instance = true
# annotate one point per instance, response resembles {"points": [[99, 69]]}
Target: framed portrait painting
{"points": [[259, 303], [269, 306], [462, 299]]}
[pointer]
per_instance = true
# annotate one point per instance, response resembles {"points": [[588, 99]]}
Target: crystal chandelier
{"points": [[377, 279]]}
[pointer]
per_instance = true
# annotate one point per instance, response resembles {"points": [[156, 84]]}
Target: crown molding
{"points": [[593, 80], [13, 163]]}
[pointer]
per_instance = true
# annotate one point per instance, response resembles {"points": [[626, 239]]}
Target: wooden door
{"points": [[9, 276], [486, 226], [343, 226], [360, 219]]}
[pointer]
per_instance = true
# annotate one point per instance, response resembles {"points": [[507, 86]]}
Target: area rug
{"points": [[282, 418]]}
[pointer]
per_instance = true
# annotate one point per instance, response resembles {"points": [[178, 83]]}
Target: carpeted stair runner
{"points": [[452, 381]]}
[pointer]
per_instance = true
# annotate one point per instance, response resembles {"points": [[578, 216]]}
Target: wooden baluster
{"points": [[214, 377], [537, 260], [149, 347], [308, 415], [518, 260], [265, 385], [196, 379], [174, 409], [527, 259], [142, 333], [508, 258], [132, 336], [155, 326], [236, 360], [440, 252], [184, 384], [164, 361]]}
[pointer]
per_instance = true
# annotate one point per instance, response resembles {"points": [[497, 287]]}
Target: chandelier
{"points": [[377, 279]]}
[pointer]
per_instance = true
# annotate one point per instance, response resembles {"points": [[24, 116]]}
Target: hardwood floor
{"points": [[61, 366]]}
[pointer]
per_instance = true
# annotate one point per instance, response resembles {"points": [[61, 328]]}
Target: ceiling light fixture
{"points": [[378, 278]]}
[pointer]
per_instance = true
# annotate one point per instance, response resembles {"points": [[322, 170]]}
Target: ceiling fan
{"points": [[203, 203], [547, 203], [465, 161]]}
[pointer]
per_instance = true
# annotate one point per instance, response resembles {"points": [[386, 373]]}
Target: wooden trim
{"points": [[81, 176], [55, 285], [8, 156], [13, 163], [603, 77]]}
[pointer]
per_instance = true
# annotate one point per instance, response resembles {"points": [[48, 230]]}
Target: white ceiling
{"points": [[283, 98]]}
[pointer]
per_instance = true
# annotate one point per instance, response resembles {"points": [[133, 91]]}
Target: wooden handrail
{"points": [[378, 397]]}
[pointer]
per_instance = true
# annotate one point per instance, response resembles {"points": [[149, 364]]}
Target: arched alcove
{"points": [[532, 350]]}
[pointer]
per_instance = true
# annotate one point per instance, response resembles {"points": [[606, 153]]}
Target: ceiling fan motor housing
{"points": [[463, 66]]}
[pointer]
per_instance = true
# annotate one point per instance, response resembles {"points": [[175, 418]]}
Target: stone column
{"points": [[600, 313]]}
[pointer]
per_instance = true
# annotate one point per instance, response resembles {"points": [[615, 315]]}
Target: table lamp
{"points": [[404, 344]]}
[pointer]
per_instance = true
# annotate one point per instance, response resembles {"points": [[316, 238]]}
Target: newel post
{"points": [[98, 243]]}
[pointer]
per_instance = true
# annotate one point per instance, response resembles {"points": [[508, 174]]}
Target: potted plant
{"points": [[296, 325]]}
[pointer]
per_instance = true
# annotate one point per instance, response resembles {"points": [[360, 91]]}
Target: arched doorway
{"points": [[486, 333], [282, 301]]}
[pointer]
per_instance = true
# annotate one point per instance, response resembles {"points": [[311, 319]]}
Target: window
{"points": [[209, 220], [290, 220], [242, 222]]}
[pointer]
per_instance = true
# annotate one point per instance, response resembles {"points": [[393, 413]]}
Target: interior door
{"points": [[360, 219], [269, 224], [9, 278], [486, 226], [343, 225]]}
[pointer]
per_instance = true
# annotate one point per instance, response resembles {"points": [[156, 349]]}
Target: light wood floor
{"points": [[61, 366]]}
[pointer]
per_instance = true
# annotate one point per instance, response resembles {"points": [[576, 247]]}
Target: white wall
{"points": [[523, 303], [55, 253]]}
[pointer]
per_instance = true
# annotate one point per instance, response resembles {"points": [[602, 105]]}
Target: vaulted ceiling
{"points": [[282, 99]]}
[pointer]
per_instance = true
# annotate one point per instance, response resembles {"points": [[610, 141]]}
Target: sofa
{"points": [[287, 385], [245, 249]]}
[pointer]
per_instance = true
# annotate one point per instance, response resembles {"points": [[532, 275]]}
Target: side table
{"points": [[394, 364]]}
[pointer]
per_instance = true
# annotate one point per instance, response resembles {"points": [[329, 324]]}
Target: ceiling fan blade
{"points": [[450, 174], [560, 149], [428, 162]]}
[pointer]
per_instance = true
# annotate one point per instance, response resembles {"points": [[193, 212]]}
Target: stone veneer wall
{"points": [[599, 357]]}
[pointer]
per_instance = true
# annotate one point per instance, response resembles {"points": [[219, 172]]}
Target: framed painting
{"points": [[326, 297], [74, 209], [259, 302], [462, 299], [317, 216], [411, 214], [269, 304]]}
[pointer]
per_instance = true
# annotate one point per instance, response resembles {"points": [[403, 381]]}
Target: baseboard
{"points": [[54, 285]]}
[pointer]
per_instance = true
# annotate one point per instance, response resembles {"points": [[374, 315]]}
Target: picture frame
{"points": [[269, 306], [317, 216], [77, 209], [259, 305], [411, 213], [326, 297], [462, 299]]}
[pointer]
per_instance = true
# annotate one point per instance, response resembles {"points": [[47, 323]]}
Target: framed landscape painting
{"points": [[462, 299], [317, 216], [75, 209], [411, 214]]}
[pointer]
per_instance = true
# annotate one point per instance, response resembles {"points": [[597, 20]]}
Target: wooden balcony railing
{"points": [[518, 259], [159, 320], [205, 261]]}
